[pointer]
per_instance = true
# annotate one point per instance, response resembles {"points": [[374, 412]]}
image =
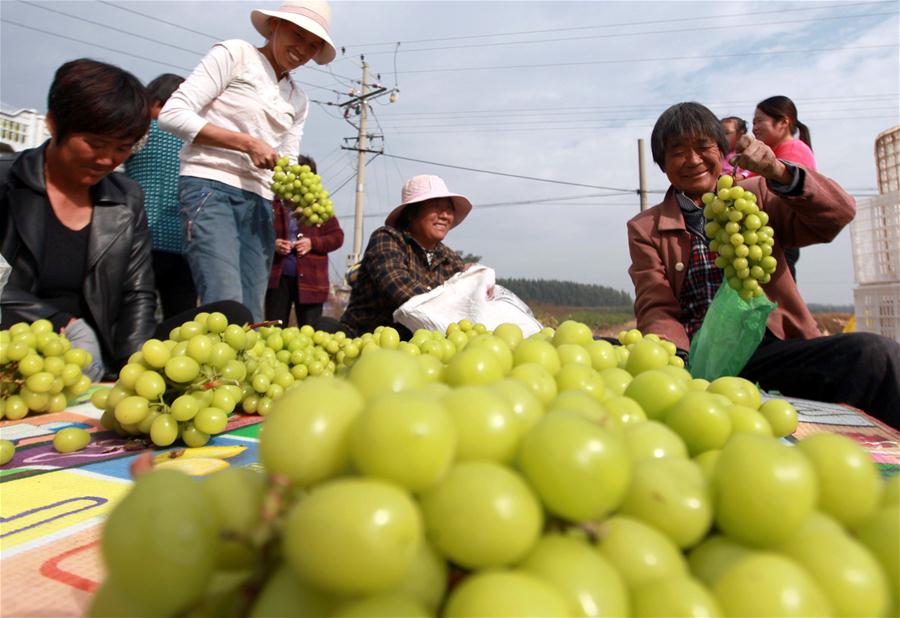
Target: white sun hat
{"points": [[426, 187], [312, 15]]}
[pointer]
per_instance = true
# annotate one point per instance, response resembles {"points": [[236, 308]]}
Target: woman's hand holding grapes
{"points": [[262, 155]]}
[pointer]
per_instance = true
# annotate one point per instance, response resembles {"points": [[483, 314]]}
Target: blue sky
{"points": [[554, 90]]}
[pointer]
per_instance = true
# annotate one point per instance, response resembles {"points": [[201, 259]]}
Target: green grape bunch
{"points": [[282, 356], [40, 371], [184, 388], [300, 187], [739, 233]]}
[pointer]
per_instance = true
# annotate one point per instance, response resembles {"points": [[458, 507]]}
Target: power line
{"points": [[343, 184], [130, 54], [615, 35], [152, 40], [455, 129], [495, 173], [480, 207], [334, 75], [311, 85], [656, 59], [558, 201], [324, 107], [556, 198], [162, 21], [92, 44], [629, 106], [632, 23], [107, 26], [326, 160], [555, 119]]}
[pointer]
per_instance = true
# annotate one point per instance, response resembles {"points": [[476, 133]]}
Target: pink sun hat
{"points": [[312, 15], [426, 187]]}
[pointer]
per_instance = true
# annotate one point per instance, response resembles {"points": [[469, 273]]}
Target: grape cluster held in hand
{"points": [[301, 189], [739, 233]]}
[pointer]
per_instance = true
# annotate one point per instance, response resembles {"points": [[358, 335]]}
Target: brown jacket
{"points": [[312, 268], [660, 247]]}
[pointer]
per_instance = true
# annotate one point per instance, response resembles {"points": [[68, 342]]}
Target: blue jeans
{"points": [[229, 241], [81, 335]]}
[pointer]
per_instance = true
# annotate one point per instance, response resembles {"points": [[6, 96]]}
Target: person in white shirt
{"points": [[237, 113]]}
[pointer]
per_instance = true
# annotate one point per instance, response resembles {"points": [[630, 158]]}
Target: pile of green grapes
{"points": [[182, 388], [40, 371], [549, 476], [187, 386], [301, 188], [741, 236]]}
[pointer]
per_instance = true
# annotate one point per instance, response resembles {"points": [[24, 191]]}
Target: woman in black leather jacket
{"points": [[74, 232]]}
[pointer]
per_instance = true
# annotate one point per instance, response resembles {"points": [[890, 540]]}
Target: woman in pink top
{"points": [[775, 123]]}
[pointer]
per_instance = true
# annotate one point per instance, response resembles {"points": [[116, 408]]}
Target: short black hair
{"points": [[161, 88], [307, 160], [87, 96], [740, 123], [688, 118]]}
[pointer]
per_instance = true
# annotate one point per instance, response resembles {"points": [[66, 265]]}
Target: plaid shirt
{"points": [[703, 277], [394, 269], [701, 282]]}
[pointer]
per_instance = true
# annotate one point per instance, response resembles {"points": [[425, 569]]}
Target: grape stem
{"points": [[263, 324], [217, 383], [266, 538], [8, 377], [591, 530]]}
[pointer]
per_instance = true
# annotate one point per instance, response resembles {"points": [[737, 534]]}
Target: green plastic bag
{"points": [[730, 334]]}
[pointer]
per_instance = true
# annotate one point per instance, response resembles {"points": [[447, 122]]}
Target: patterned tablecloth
{"points": [[52, 505]]}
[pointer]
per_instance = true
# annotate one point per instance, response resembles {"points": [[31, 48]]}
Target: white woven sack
{"points": [[465, 296]]}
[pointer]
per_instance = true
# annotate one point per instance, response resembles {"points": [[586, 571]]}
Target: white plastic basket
{"points": [[887, 157], [878, 309], [875, 237]]}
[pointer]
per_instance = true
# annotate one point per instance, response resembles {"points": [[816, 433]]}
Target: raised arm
{"points": [[181, 113]]}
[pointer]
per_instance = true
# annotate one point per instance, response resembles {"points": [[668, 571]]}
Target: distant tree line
{"points": [[823, 308], [568, 293]]}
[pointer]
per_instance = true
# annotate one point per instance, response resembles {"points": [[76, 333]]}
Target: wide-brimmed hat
{"points": [[312, 15], [421, 188]]}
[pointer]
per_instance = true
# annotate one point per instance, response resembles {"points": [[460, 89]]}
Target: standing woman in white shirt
{"points": [[237, 113]]}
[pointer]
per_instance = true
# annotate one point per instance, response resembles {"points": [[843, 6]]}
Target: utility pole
{"points": [[360, 104], [362, 146], [642, 174]]}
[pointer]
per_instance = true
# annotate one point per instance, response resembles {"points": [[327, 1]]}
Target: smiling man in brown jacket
{"points": [[675, 278]]}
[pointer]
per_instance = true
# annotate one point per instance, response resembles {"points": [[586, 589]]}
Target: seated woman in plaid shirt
{"points": [[675, 278], [406, 257]]}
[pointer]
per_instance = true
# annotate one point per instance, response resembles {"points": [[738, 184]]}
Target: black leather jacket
{"points": [[118, 287]]}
